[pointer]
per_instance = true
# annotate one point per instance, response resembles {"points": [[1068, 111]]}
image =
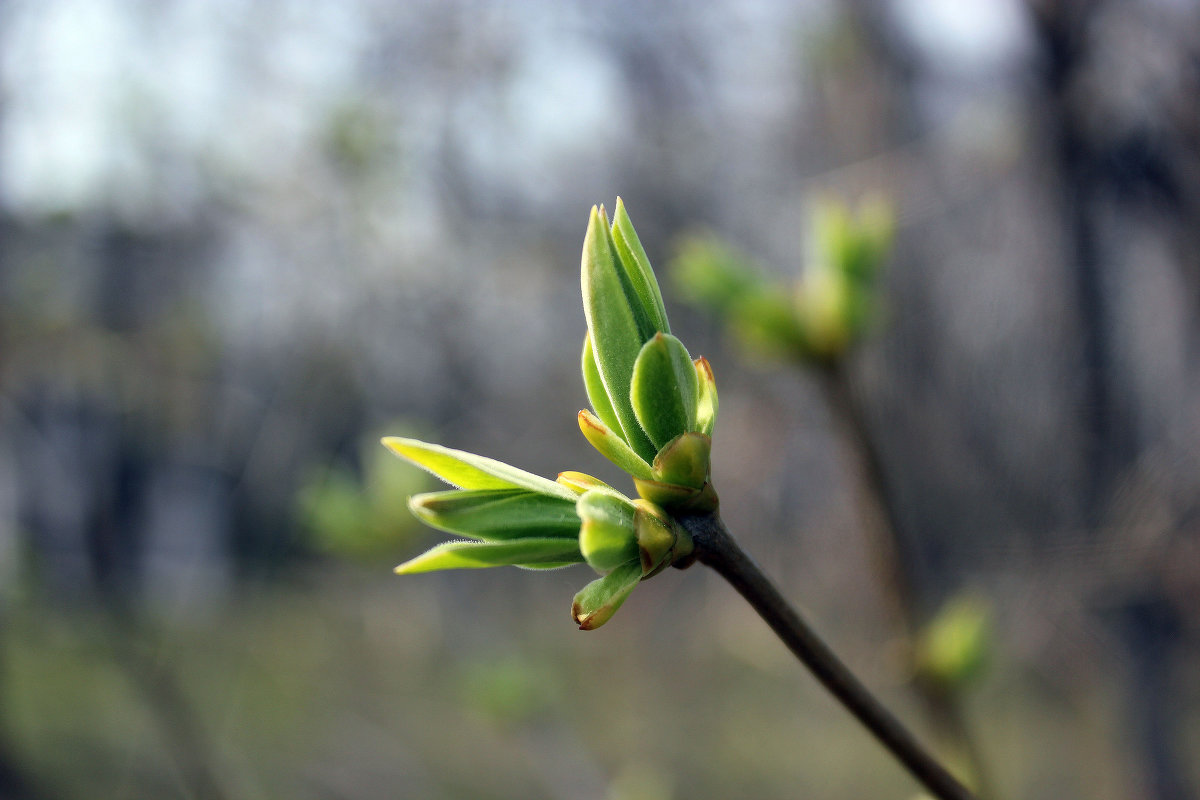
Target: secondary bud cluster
{"points": [[824, 313]]}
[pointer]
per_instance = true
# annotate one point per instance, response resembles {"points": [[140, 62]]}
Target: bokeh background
{"points": [[240, 239]]}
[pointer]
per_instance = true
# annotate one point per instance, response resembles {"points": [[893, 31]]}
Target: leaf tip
{"points": [[589, 421], [585, 620], [400, 446]]}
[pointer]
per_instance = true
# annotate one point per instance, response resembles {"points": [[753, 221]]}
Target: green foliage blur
{"points": [[361, 515]]}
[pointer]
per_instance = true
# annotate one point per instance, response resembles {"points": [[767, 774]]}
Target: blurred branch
{"points": [[15, 781], [896, 566], [1062, 36]]}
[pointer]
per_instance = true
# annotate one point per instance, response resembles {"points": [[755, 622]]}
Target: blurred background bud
{"points": [[832, 303], [954, 647]]}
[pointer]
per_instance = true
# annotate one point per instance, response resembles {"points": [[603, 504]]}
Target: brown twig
{"points": [[716, 548]]}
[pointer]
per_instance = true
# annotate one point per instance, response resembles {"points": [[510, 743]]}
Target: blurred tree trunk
{"points": [[1096, 174]]}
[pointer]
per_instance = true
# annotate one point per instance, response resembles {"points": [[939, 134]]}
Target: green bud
{"points": [[595, 604], [833, 304], [607, 537], [684, 461], [661, 540], [678, 499], [618, 325], [665, 389], [852, 243], [654, 409], [643, 385]]}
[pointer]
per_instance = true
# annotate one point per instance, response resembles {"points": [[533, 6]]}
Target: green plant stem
{"points": [[716, 548], [897, 569]]}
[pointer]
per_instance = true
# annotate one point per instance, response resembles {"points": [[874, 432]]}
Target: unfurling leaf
{"points": [[469, 471], [644, 388], [617, 324], [637, 266], [497, 514], [542, 552]]}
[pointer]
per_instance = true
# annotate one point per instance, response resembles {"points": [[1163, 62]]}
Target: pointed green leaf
{"points": [[497, 514], [469, 471], [665, 389], [594, 385], [616, 325], [475, 555], [580, 482], [599, 600], [612, 446], [706, 403], [637, 266]]}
